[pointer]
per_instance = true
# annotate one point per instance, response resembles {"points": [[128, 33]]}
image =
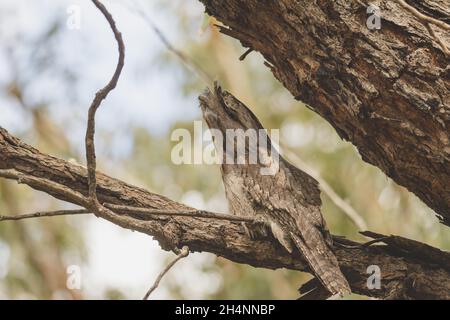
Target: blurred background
{"points": [[49, 73]]}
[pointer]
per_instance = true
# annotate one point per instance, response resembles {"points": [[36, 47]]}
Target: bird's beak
{"points": [[210, 103]]}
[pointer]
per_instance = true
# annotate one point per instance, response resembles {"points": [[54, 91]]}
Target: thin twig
{"points": [[44, 214], [428, 21], [93, 204], [354, 216], [183, 253], [99, 96], [362, 245], [193, 213]]}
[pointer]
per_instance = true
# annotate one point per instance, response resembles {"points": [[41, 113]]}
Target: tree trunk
{"points": [[386, 91]]}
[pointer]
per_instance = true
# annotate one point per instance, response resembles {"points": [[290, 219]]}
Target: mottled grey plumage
{"points": [[288, 201]]}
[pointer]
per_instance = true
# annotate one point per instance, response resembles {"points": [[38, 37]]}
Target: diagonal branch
{"points": [[409, 269], [184, 252]]}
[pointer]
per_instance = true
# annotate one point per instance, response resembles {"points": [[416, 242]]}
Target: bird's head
{"points": [[222, 111], [243, 139]]}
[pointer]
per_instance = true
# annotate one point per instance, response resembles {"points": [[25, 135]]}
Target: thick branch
{"points": [[386, 91], [409, 269]]}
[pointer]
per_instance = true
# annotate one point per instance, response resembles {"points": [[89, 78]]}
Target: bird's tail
{"points": [[323, 263]]}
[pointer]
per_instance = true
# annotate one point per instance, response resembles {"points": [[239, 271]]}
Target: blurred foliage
{"points": [[37, 252], [38, 248]]}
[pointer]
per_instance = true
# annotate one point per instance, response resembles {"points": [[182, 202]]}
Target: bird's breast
{"points": [[237, 195]]}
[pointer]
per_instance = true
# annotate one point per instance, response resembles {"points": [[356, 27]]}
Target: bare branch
{"points": [[183, 253], [99, 97], [44, 214], [192, 214]]}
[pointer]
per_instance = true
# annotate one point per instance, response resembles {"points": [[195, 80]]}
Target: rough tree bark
{"points": [[410, 270], [386, 91]]}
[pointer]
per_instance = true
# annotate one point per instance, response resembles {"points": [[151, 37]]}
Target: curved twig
{"points": [[99, 97]]}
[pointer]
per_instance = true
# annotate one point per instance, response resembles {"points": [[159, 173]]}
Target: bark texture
{"points": [[410, 270], [386, 91]]}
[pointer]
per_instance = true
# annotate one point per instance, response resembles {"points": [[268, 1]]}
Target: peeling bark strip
{"points": [[386, 91], [409, 270]]}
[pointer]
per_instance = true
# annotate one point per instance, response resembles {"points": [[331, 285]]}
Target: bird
{"points": [[287, 202]]}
